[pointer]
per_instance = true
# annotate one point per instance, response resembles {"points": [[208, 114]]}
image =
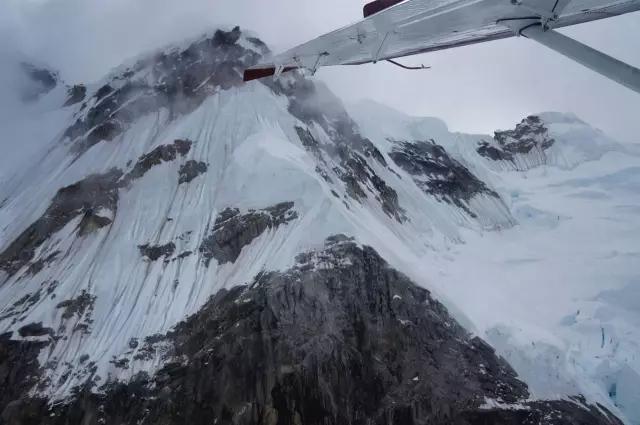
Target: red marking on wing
{"points": [[257, 73], [378, 6]]}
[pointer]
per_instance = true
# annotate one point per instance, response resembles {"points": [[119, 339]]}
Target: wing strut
{"points": [[411, 68], [602, 63]]}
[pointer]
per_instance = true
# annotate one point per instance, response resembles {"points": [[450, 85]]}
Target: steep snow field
{"points": [[530, 237], [558, 294]]}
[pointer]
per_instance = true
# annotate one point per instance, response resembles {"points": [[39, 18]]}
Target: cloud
{"points": [[475, 89], [84, 39]]}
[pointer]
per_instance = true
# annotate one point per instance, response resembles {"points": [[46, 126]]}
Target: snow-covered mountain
{"points": [[188, 248]]}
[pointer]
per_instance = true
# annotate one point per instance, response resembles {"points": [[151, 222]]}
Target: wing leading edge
{"points": [[396, 29]]}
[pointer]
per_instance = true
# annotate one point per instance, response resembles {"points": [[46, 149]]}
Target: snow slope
{"points": [[557, 294], [172, 180]]}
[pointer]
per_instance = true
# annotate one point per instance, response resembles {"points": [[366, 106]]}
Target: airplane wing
{"points": [[396, 28]]}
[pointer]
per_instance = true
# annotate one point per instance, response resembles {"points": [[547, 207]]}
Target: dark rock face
{"points": [[120, 363], [233, 231], [17, 309], [155, 252], [190, 170], [37, 266], [92, 222], [76, 317], [19, 369], [86, 198], [20, 306], [75, 94], [558, 412], [78, 306], [163, 153], [358, 176], [34, 329], [521, 140], [41, 80], [308, 141], [437, 174], [529, 135], [96, 192], [314, 105], [354, 170], [178, 80], [148, 349], [184, 254], [341, 338], [494, 153]]}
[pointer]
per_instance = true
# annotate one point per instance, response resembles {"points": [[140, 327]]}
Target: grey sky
{"points": [[474, 89]]}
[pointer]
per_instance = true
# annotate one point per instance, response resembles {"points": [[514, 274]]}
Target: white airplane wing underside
{"points": [[419, 26]]}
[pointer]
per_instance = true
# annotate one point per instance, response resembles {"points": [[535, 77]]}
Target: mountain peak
{"points": [[176, 78]]}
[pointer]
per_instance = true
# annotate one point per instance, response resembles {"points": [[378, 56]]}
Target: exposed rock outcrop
{"points": [[19, 372], [190, 170], [346, 157], [92, 221], [523, 148], [94, 198], [437, 174], [37, 266], [177, 80], [75, 94], [233, 231], [20, 306], [78, 306], [95, 193], [163, 153], [155, 252], [34, 329], [354, 170]]}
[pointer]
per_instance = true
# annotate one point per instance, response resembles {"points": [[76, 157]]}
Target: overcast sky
{"points": [[474, 89]]}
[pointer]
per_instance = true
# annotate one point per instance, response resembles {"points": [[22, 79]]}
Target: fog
{"points": [[474, 89]]}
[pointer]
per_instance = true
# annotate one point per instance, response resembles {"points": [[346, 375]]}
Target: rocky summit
{"points": [[192, 249]]}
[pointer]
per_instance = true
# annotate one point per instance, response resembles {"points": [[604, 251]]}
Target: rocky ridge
{"points": [[232, 230], [339, 338], [522, 148], [439, 175]]}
